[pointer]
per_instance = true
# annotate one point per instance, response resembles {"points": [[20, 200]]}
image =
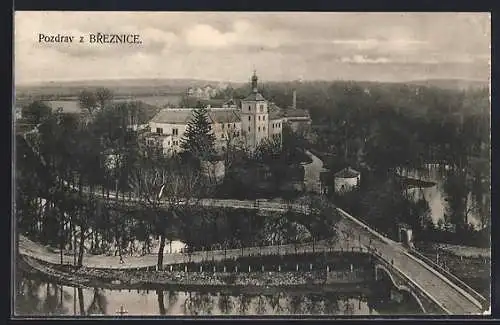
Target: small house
{"points": [[346, 179]]}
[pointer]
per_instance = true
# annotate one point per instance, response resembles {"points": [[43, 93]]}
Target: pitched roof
{"points": [[347, 173], [173, 116], [296, 113], [183, 115], [230, 102], [254, 96], [224, 115], [274, 112]]}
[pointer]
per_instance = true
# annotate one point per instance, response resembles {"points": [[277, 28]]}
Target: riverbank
{"points": [[244, 282], [410, 182]]}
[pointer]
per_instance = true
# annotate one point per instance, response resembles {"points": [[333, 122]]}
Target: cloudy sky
{"points": [[280, 46]]}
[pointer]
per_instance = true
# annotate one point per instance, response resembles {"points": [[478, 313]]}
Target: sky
{"points": [[280, 46]]}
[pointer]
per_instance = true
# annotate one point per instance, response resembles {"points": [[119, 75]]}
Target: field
{"points": [[70, 104], [120, 87]]}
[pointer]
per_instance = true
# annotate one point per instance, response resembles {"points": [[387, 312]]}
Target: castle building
{"points": [[248, 124]]}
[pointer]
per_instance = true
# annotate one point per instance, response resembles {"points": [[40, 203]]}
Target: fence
{"points": [[454, 279]]}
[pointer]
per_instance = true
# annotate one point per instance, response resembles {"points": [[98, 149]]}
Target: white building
{"points": [[248, 125], [346, 180], [206, 92]]}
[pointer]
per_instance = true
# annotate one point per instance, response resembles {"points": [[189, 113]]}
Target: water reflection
{"points": [[474, 192], [37, 298]]}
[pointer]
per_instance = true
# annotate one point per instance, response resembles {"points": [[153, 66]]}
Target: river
{"points": [[447, 181], [38, 298]]}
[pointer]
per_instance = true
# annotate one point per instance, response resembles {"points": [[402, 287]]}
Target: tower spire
{"points": [[254, 81]]}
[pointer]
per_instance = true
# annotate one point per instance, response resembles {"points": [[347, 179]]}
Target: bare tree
{"points": [[164, 185], [233, 144]]}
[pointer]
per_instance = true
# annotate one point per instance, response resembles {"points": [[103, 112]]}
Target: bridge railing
{"points": [[411, 284], [482, 300]]}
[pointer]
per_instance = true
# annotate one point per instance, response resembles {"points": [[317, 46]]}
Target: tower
{"points": [[254, 82], [254, 116], [294, 103]]}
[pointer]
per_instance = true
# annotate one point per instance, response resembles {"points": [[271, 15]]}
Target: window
{"points": [[234, 125], [169, 143], [249, 118], [261, 108], [238, 133], [264, 118], [175, 131], [159, 130], [249, 108], [264, 128], [259, 128], [248, 129], [222, 136], [223, 126], [259, 117]]}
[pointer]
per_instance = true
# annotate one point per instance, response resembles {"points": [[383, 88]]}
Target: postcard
{"points": [[233, 164]]}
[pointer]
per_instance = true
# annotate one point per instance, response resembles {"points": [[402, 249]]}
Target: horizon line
{"points": [[41, 83]]}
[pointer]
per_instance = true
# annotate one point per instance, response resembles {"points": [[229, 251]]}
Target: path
{"points": [[449, 295], [312, 173], [35, 250]]}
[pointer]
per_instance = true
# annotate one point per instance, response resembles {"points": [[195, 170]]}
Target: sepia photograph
{"points": [[235, 164]]}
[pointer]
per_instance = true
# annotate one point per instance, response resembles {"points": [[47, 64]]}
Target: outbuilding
{"points": [[346, 179], [405, 235]]}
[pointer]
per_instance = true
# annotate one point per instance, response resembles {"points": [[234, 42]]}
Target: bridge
{"points": [[435, 292]]}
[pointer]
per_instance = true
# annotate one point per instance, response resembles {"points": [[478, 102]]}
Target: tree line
{"points": [[380, 128], [99, 150], [388, 125]]}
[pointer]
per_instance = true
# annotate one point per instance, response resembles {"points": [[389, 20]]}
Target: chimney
{"points": [[294, 104]]}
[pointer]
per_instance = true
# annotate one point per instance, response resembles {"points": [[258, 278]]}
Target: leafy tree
{"points": [[88, 101], [36, 112], [381, 204], [456, 191], [198, 139], [268, 150], [103, 97]]}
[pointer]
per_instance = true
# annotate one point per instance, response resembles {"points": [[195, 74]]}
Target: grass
{"points": [[473, 270]]}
